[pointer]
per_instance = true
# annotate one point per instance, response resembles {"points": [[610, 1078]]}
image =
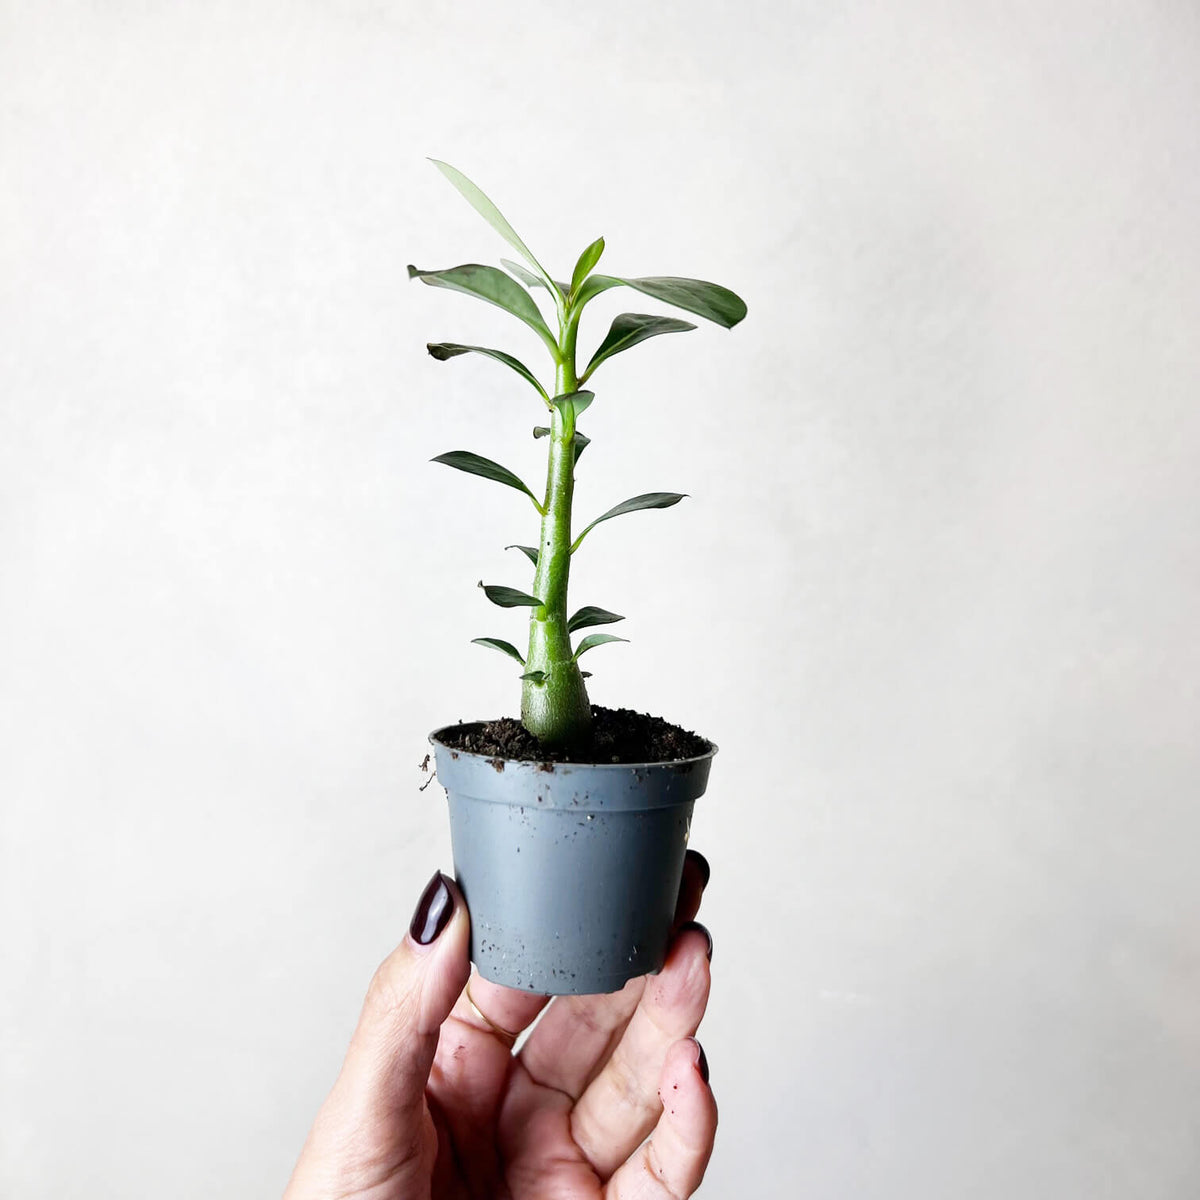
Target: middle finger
{"points": [[574, 1039], [622, 1104]]}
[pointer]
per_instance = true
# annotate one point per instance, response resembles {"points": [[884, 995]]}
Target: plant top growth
{"points": [[554, 700]]}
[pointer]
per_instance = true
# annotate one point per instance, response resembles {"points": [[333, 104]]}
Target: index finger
{"points": [[498, 1010]]}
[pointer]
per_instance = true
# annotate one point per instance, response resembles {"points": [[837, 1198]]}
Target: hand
{"points": [[432, 1102]]}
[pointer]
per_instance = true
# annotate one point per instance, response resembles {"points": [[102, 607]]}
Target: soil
{"points": [[618, 735]]}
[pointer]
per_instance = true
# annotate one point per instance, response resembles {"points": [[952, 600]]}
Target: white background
{"points": [[935, 592]]}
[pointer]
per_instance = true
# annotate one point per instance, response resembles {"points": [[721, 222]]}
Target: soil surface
{"points": [[618, 735]]}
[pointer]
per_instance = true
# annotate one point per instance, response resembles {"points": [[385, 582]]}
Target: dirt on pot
{"points": [[618, 735]]}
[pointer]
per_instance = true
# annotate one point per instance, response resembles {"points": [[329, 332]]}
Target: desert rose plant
{"points": [[554, 700]]}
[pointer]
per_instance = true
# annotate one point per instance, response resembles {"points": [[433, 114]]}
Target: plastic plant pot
{"points": [[570, 870]]}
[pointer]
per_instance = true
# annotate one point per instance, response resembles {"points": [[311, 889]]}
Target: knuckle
{"points": [[387, 994], [629, 1088], [588, 1018], [654, 1167]]}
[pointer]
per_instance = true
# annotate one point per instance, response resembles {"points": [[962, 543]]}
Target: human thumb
{"points": [[411, 994], [374, 1124]]}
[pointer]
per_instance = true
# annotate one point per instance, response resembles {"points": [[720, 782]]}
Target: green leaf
{"points": [[630, 328], [591, 615], [528, 278], [587, 260], [538, 677], [708, 300], [489, 212], [593, 286], [530, 552], [444, 350], [490, 284], [507, 597], [596, 639], [582, 441], [476, 464], [579, 401], [501, 645], [646, 500], [531, 280]]}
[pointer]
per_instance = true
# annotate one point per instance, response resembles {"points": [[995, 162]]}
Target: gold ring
{"points": [[506, 1034]]}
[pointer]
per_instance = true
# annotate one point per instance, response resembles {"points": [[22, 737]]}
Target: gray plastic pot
{"points": [[570, 870]]}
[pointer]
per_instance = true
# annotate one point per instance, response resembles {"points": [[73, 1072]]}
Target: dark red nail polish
{"points": [[434, 910], [705, 869], [701, 1061], [704, 930]]}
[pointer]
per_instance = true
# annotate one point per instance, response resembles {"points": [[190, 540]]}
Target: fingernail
{"points": [[705, 869], [701, 1061], [434, 910], [704, 930]]}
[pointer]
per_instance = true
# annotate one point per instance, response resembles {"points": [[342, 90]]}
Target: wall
{"points": [[935, 591]]}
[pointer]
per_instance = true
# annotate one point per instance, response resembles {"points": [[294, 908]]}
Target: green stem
{"points": [[556, 708]]}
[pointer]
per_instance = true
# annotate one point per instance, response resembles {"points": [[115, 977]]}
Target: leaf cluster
{"points": [[513, 289]]}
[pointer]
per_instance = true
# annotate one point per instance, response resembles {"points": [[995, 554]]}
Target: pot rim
{"points": [[661, 764]]}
